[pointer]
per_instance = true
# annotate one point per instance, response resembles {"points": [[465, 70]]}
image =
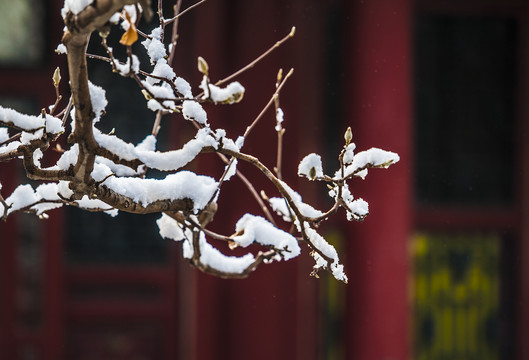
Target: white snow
{"points": [[204, 86], [187, 247], [227, 143], [114, 19], [98, 99], [155, 48], [359, 209], [22, 196], [9, 147], [117, 169], [356, 209], [91, 204], [175, 159], [131, 10], [27, 137], [25, 197], [328, 250], [30, 123], [4, 135], [61, 49], [163, 70], [163, 91], [75, 6], [192, 110], [126, 68], [148, 144], [231, 169], [230, 94], [165, 161], [212, 257], [37, 156], [373, 157], [64, 189], [178, 186], [100, 172], [183, 87], [115, 145], [48, 191], [68, 158], [239, 143], [169, 228], [280, 206], [311, 167], [257, 229], [349, 153], [279, 119], [53, 125]]}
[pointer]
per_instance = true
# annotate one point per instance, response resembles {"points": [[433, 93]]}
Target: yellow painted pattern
{"points": [[456, 296]]}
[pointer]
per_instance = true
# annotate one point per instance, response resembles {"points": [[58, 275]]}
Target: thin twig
{"points": [[174, 34], [259, 58], [12, 138], [279, 128], [6, 208], [183, 12], [67, 111], [284, 193], [249, 129], [58, 99], [270, 102]]}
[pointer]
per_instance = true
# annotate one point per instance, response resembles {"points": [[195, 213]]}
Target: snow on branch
{"points": [[101, 172]]}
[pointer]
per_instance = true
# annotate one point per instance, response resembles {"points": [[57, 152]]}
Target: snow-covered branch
{"points": [[104, 173]]}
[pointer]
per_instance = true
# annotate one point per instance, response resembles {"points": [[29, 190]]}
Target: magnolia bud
{"points": [[56, 77], [348, 136], [146, 94], [203, 66]]}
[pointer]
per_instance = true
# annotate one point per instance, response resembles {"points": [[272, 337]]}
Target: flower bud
{"points": [[56, 77], [348, 136], [203, 66]]}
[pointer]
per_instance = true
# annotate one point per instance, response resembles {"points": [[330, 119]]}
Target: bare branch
{"points": [[258, 59], [177, 14]]}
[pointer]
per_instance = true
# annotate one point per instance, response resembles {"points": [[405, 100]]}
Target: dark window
{"points": [[465, 85], [127, 238]]}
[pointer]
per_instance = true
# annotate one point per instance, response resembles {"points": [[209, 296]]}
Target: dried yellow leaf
{"points": [[131, 35]]}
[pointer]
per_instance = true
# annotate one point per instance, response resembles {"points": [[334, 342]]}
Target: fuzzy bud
{"points": [[348, 136], [56, 77], [203, 66]]}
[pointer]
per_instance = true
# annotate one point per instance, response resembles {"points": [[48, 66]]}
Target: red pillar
{"points": [[7, 272], [271, 315], [380, 115]]}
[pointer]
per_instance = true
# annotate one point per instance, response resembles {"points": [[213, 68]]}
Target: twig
{"points": [[67, 111], [6, 208], [58, 99], [174, 35], [270, 102], [183, 12], [259, 58], [279, 128]]}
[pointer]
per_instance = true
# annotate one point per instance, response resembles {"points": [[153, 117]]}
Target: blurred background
{"points": [[439, 269]]}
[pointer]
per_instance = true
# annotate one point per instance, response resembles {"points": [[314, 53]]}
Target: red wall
{"points": [[380, 111]]}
